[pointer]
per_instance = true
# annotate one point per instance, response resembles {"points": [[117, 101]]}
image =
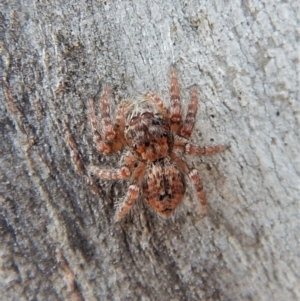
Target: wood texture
{"points": [[58, 239]]}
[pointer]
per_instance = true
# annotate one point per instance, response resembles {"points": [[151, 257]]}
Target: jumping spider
{"points": [[156, 140]]}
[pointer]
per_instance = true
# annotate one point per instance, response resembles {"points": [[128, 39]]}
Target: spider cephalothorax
{"points": [[148, 135], [157, 140]]}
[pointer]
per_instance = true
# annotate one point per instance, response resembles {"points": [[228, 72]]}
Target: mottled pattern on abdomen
{"points": [[163, 186]]}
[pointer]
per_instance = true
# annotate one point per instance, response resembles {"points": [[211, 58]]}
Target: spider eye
{"points": [[165, 134], [147, 115], [126, 127], [134, 120]]}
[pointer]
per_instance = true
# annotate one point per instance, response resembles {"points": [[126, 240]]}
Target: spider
{"points": [[156, 139]]}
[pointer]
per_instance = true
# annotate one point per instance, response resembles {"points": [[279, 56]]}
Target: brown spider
{"points": [[157, 140]]}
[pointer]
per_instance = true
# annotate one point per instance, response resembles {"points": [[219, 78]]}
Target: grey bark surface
{"points": [[244, 57]]}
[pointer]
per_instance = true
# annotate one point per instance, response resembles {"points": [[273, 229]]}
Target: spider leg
{"points": [[175, 111], [133, 191], [194, 149], [110, 174], [194, 177], [120, 120], [107, 127], [152, 97], [104, 147], [129, 169], [131, 197], [120, 115], [101, 146], [190, 118], [123, 172]]}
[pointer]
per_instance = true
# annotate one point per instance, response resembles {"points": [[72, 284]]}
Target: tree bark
{"points": [[58, 236]]}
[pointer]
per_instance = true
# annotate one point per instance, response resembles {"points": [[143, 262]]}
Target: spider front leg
{"points": [[190, 119], [112, 141], [175, 111], [100, 145], [152, 97], [107, 127]]}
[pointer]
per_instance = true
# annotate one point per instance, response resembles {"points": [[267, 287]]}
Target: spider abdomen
{"points": [[163, 187]]}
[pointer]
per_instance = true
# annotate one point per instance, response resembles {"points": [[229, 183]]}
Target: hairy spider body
{"points": [[147, 133], [157, 140], [150, 139], [163, 186]]}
